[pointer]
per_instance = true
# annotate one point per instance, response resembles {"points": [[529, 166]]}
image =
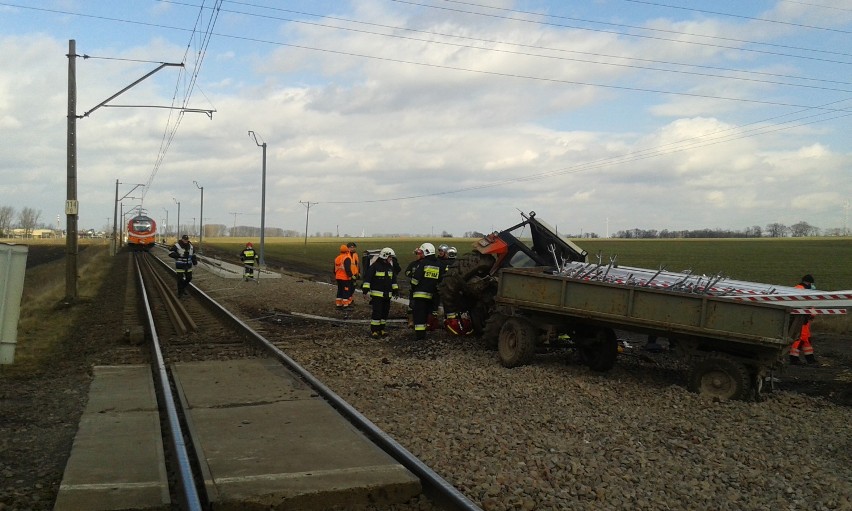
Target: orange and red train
{"points": [[141, 232]]}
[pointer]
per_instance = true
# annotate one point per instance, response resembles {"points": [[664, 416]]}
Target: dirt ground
{"points": [[40, 411]]}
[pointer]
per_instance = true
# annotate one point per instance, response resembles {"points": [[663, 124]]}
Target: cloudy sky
{"points": [[423, 116]]}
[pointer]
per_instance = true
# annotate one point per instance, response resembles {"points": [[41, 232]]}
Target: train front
{"points": [[141, 232]]}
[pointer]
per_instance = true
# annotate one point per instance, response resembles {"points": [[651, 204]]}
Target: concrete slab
{"points": [[117, 459], [269, 442]]}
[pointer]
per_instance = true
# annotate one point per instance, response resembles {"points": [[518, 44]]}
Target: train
{"points": [[141, 232]]}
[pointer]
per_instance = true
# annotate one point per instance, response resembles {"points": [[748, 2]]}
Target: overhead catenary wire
{"points": [[651, 152]]}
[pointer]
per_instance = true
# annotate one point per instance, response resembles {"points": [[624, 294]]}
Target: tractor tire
{"points": [[453, 288], [491, 332], [516, 345], [600, 354], [720, 376]]}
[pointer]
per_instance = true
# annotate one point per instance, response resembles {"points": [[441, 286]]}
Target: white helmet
{"points": [[385, 253], [452, 252], [428, 249]]}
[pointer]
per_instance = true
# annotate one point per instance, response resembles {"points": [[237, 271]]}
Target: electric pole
{"points": [[307, 216]]}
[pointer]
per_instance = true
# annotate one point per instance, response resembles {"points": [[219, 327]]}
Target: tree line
{"points": [[774, 230], [27, 219]]}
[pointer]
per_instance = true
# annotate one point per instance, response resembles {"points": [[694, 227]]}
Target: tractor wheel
{"points": [[491, 332], [453, 288], [473, 264], [600, 354], [516, 345], [720, 376]]}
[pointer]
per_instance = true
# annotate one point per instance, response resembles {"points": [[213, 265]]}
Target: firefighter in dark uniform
{"points": [[249, 258], [184, 255], [424, 285], [444, 259], [380, 283], [409, 272]]}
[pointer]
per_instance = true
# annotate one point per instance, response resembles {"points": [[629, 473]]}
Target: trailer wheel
{"points": [[600, 354], [720, 376], [491, 332], [516, 345]]}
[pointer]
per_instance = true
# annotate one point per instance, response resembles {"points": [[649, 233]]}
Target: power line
{"points": [[497, 50], [679, 41], [718, 13]]}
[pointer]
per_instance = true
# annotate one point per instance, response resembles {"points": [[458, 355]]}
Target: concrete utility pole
{"points": [[166, 229], [201, 217], [261, 261], [71, 171], [177, 231]]}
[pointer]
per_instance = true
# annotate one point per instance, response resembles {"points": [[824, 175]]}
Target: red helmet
{"points": [[249, 245]]}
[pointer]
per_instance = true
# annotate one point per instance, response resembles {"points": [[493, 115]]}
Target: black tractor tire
{"points": [[473, 264], [600, 354], [516, 345], [491, 332], [721, 377], [453, 287]]}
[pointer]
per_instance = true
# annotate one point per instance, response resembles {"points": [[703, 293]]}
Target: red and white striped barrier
{"points": [[817, 312], [839, 295]]}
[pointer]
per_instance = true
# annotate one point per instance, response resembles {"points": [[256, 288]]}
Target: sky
{"points": [[429, 116]]}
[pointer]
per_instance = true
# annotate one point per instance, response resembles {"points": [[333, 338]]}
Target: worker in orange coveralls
{"points": [[803, 343], [343, 275]]}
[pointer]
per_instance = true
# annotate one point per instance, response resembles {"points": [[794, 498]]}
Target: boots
{"points": [[811, 360], [794, 360]]}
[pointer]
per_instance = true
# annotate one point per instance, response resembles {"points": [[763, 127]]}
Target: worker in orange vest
{"points": [[803, 343], [356, 266], [343, 275]]}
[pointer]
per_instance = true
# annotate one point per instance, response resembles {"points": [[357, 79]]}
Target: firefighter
{"points": [[409, 272], [457, 323], [424, 286], [184, 255], [803, 343], [444, 259], [249, 258], [381, 285], [343, 276], [356, 266]]}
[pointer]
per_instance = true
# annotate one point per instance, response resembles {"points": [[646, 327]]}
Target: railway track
{"points": [[196, 328]]}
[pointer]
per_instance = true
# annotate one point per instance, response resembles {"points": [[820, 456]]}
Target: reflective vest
{"points": [[248, 256], [356, 263], [183, 256], [343, 267]]}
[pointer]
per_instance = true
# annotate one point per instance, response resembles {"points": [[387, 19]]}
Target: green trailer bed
{"points": [[732, 345]]}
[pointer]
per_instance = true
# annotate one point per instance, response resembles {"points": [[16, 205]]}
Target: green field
{"points": [[772, 261]]}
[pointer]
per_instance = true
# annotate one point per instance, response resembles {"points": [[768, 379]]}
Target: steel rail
{"points": [[192, 501], [178, 314], [445, 490]]}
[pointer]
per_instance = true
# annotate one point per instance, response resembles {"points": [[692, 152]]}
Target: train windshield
{"points": [[142, 224]]}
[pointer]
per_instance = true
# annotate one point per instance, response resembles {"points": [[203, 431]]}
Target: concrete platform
{"points": [[117, 457], [266, 441]]}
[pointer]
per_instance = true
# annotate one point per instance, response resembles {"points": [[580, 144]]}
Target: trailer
{"points": [[732, 334]]}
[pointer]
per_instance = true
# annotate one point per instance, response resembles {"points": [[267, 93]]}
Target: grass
{"points": [[44, 321]]}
